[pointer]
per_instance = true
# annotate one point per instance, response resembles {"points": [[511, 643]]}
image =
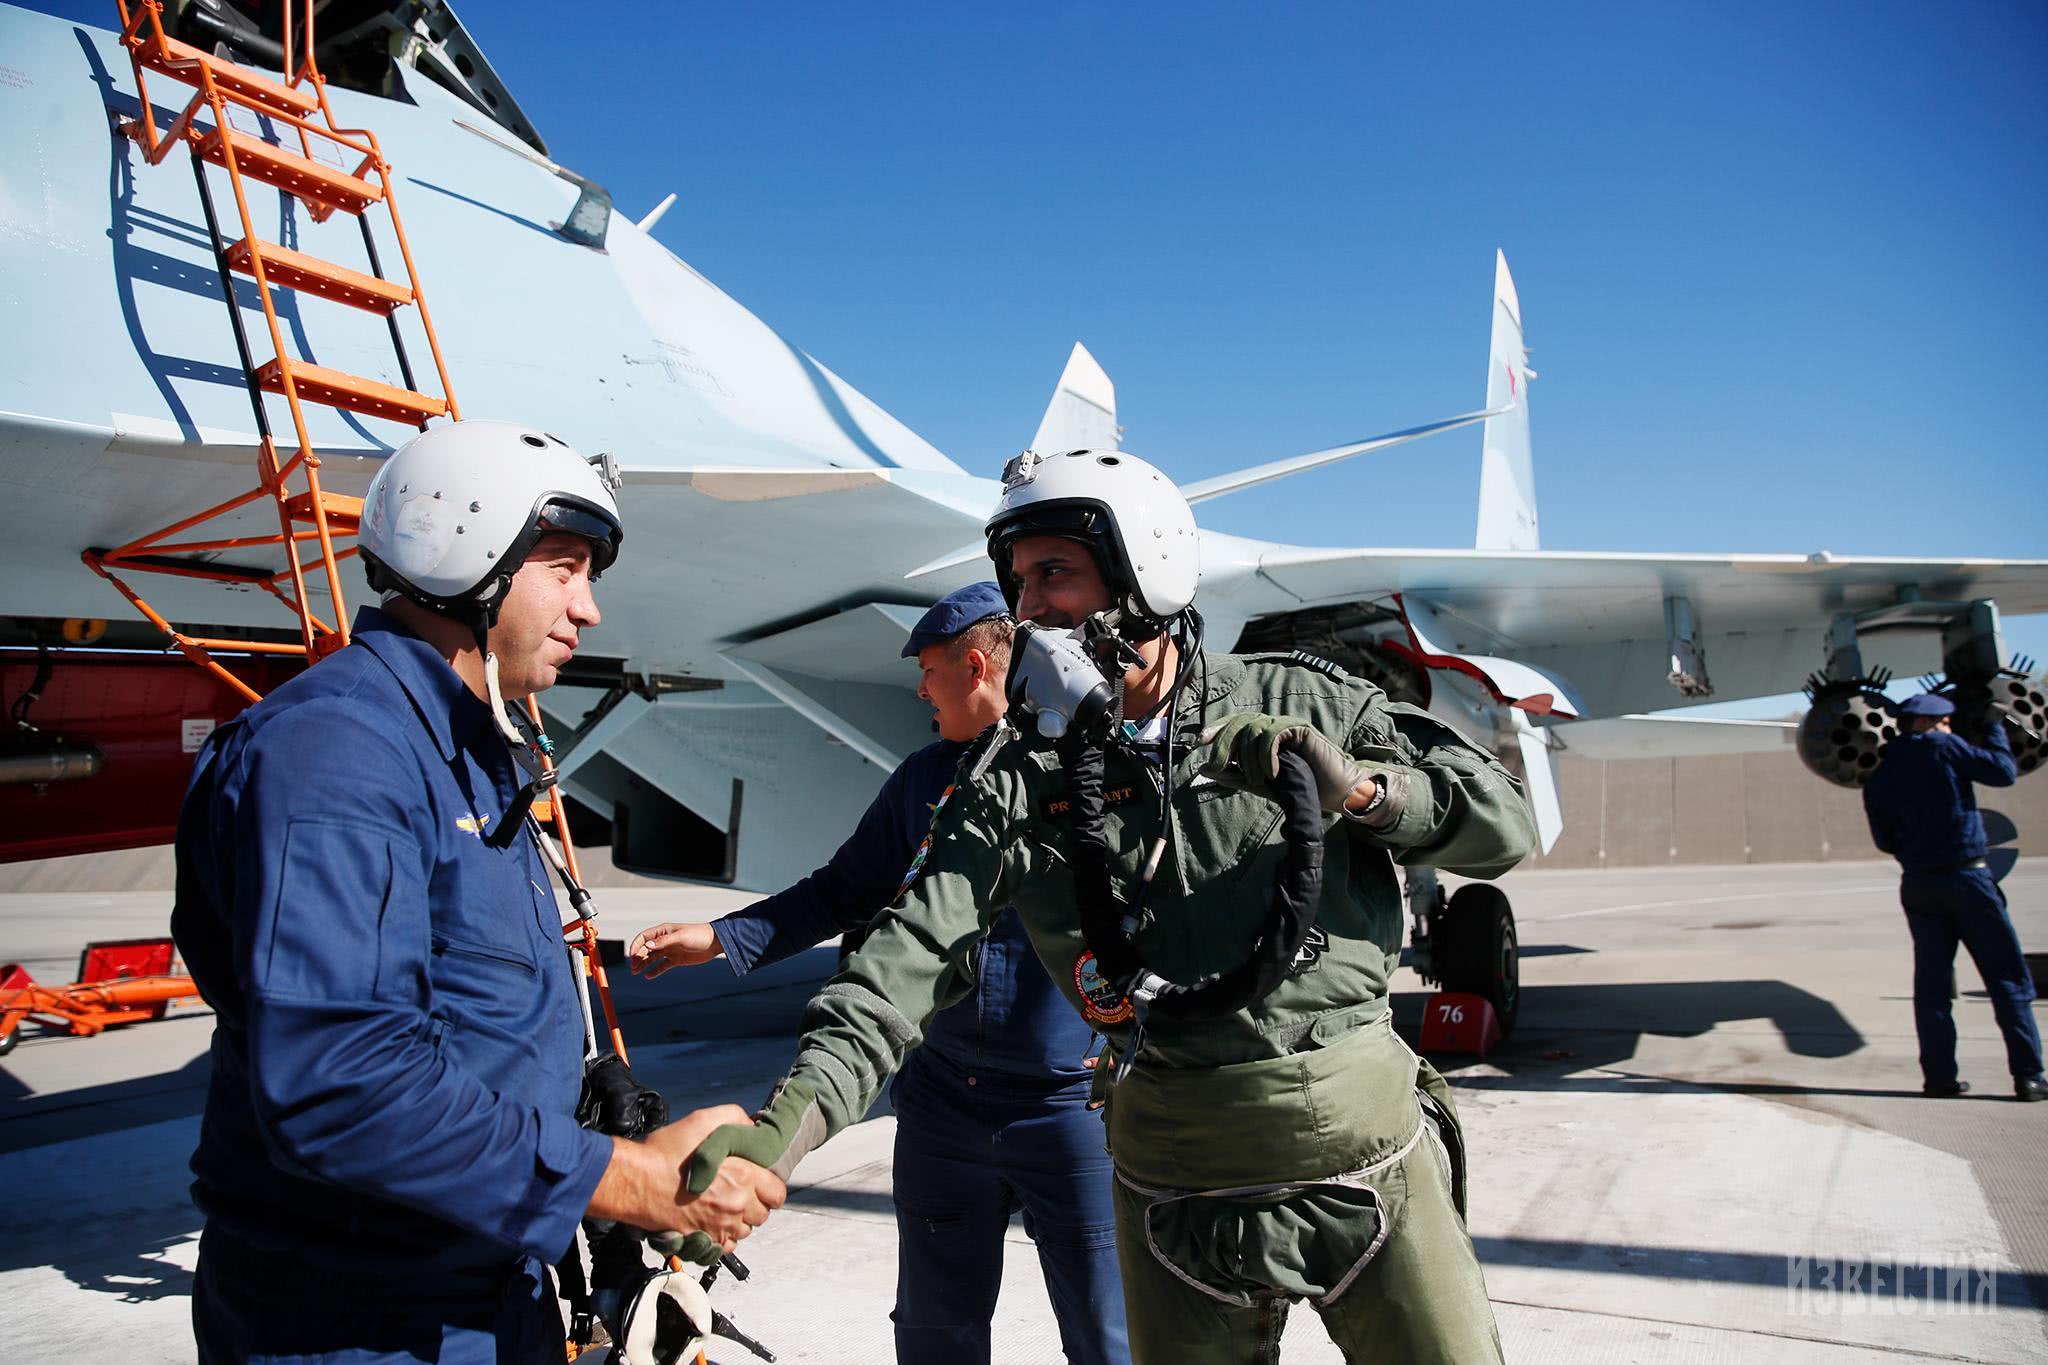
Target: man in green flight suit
{"points": [[1283, 1144]]}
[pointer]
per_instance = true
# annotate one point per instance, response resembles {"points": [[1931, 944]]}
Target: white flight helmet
{"points": [[669, 1318], [454, 511], [1128, 513]]}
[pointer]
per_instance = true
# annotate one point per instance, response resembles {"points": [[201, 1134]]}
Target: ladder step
{"points": [[181, 61], [344, 513], [332, 388], [317, 184], [311, 275]]}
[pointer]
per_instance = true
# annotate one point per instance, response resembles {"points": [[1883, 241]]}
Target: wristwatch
{"points": [[1379, 798]]}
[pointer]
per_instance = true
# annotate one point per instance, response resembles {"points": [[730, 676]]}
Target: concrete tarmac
{"points": [[1706, 1141]]}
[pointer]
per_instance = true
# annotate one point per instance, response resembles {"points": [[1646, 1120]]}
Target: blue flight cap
{"points": [[1927, 704], [953, 613]]}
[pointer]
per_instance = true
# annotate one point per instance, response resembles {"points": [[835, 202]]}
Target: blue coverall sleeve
{"points": [[861, 878], [332, 934], [1880, 827], [1990, 763]]}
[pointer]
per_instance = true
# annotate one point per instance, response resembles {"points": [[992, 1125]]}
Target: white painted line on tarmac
{"points": [[1891, 886]]}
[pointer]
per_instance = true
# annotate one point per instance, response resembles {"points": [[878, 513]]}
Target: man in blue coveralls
{"points": [[992, 1110], [1923, 811], [389, 1155]]}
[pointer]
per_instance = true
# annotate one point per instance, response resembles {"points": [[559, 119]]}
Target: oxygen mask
{"points": [[1062, 678]]}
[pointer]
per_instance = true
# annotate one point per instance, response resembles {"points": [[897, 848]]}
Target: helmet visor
{"points": [[580, 519], [1085, 522]]}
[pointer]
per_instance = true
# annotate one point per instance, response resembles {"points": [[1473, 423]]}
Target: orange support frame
{"points": [[303, 517], [581, 933], [88, 1008]]}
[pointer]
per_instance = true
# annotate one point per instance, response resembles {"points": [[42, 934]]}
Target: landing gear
{"points": [[1467, 942]]}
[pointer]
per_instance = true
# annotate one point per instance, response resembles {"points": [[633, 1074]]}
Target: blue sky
{"points": [[1780, 266]]}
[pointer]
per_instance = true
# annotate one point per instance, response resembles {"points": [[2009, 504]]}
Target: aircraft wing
{"points": [[1599, 620], [1672, 737]]}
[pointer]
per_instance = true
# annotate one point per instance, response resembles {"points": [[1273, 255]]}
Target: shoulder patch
{"points": [[1310, 955], [1318, 663], [1299, 658]]}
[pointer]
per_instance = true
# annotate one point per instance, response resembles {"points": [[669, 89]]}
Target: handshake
{"points": [[704, 1182], [648, 1185], [664, 1178]]}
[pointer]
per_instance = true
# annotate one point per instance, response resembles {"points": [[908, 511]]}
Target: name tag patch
{"points": [[1059, 807]]}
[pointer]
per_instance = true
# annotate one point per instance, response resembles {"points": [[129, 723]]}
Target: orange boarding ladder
{"points": [[306, 515]]}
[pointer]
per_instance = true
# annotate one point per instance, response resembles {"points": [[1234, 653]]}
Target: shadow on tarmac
{"points": [[1564, 1033], [124, 1258], [34, 1121], [1568, 1030], [1924, 1282], [693, 1015], [1614, 1081]]}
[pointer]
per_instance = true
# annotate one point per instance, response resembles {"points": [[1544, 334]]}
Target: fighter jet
{"points": [[180, 321]]}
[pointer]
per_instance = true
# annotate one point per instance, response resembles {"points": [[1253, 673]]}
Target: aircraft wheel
{"points": [[7, 1044], [1480, 951]]}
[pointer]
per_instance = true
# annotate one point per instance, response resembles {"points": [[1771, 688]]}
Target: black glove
{"points": [[615, 1104]]}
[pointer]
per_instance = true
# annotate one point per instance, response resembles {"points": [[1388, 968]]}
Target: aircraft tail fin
{"points": [[1507, 476], [1082, 414]]}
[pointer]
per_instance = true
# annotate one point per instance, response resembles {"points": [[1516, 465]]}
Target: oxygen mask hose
{"points": [[1297, 890], [1102, 918], [1110, 933], [1058, 677]]}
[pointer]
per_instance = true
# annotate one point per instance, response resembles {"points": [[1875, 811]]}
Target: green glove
{"points": [[1245, 754], [781, 1135], [696, 1247]]}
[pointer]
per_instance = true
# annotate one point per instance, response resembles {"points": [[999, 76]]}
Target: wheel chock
{"points": [[1457, 1021]]}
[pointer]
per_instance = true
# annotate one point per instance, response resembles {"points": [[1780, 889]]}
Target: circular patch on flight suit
{"points": [[1100, 999]]}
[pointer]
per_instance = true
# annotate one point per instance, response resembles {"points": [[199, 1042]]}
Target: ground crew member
{"points": [[1923, 811], [992, 1108], [389, 1154], [1292, 1149]]}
